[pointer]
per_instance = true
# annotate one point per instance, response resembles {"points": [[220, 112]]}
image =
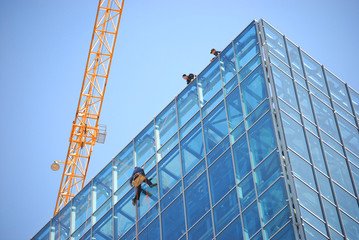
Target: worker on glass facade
{"points": [[189, 78], [139, 176], [215, 53]]}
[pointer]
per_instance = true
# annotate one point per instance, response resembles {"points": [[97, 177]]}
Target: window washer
{"points": [[138, 176], [189, 78], [215, 53]]}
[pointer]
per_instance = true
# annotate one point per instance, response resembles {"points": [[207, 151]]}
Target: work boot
{"points": [[153, 185], [149, 194], [134, 201]]}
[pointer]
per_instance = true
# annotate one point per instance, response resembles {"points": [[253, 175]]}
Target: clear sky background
{"points": [[43, 51]]}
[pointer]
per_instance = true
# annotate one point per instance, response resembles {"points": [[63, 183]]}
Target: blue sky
{"points": [[44, 47]]}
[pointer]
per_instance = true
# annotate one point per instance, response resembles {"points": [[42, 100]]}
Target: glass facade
{"points": [[264, 144]]}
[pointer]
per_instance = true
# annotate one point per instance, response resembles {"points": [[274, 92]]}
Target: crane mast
{"points": [[85, 127]]}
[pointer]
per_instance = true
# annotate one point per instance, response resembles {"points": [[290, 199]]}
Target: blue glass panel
{"points": [[246, 191], [245, 46], [44, 233], [286, 233], [347, 202], [61, 223], [355, 172], [102, 185], [79, 234], [225, 211], [277, 223], [209, 81], [234, 108], [130, 235], [317, 153], [146, 202], [147, 218], [355, 101], [221, 176], [167, 147], [294, 134], [305, 104], [187, 103], [275, 42], [351, 227], [145, 144], [314, 73], [169, 173], [289, 110], [324, 186], [311, 127], [173, 223], [102, 210], [258, 236], [332, 215], [335, 236], [275, 61], [350, 135], [166, 123], [197, 200], [233, 231], [194, 173], [171, 195], [81, 205], [299, 79], [215, 127], [125, 215], [192, 149], [308, 198], [311, 233], [314, 221], [151, 232], [253, 90], [267, 172], [218, 150], [103, 230], [251, 222], [302, 169], [338, 168], [261, 139], [331, 142], [273, 200], [237, 132], [352, 158], [228, 65], [295, 57], [189, 125], [284, 86], [87, 236], [123, 164], [338, 91], [319, 94], [253, 64], [231, 85], [344, 114], [257, 113], [202, 230], [212, 103], [241, 158]]}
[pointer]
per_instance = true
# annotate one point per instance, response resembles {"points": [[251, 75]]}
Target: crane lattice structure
{"points": [[85, 127]]}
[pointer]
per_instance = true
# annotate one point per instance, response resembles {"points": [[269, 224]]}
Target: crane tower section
{"points": [[85, 127]]}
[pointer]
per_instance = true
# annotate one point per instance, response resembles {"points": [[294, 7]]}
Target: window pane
{"points": [[228, 65], [305, 104], [300, 79], [314, 73], [346, 202], [197, 200], [218, 150], [257, 113], [123, 164], [167, 147], [194, 173], [146, 202], [350, 118], [278, 222], [261, 139], [166, 123], [241, 158], [338, 91], [350, 135], [237, 132], [302, 169], [173, 223], [317, 152], [102, 210], [285, 87], [44, 233], [273, 200], [289, 110], [80, 232], [151, 232], [275, 42], [225, 211], [246, 191], [351, 227], [231, 85], [102, 186], [245, 46], [187, 103], [286, 233], [312, 234], [103, 230], [355, 101], [145, 144], [147, 218], [234, 108], [171, 195], [190, 125], [81, 205], [295, 57], [124, 215], [251, 221], [215, 127], [319, 94], [221, 176], [61, 223], [192, 149], [253, 90], [209, 81], [324, 186], [267, 172], [253, 64], [275, 61], [212, 103], [233, 231], [203, 230], [332, 215], [169, 171], [314, 221], [130, 235]]}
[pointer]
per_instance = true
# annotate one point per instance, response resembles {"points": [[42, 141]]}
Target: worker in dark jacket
{"points": [[140, 173], [189, 78], [215, 53]]}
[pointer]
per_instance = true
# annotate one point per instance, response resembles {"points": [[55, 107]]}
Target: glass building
{"points": [[264, 144]]}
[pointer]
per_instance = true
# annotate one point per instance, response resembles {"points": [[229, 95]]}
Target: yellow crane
{"points": [[85, 130]]}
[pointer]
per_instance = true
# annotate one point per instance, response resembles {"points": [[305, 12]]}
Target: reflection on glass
{"points": [[151, 232], [228, 65], [317, 152], [203, 230], [234, 108], [145, 144], [173, 223], [245, 46], [286, 233], [168, 171], [124, 215], [218, 150], [302, 169], [350, 135], [61, 223], [253, 64], [246, 191], [305, 104], [314, 73], [231, 85], [103, 229], [257, 113], [123, 165], [355, 101], [278, 222], [212, 103], [332, 215], [147, 218], [209, 82], [275, 42], [280, 64], [187, 103], [166, 123], [102, 186], [81, 205], [314, 221], [233, 231], [251, 222], [351, 227], [295, 57], [338, 91], [241, 158], [189, 125], [324, 186], [347, 202]]}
